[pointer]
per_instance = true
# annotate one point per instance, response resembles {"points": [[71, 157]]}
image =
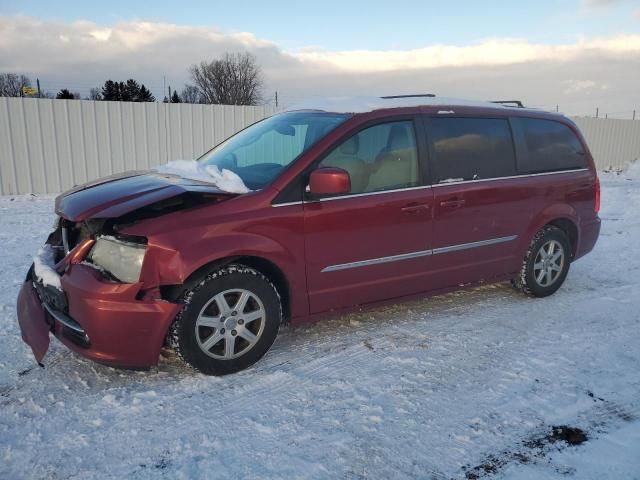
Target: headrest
{"points": [[350, 146], [398, 139]]}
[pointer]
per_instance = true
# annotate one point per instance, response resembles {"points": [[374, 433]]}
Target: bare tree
{"points": [[191, 94], [94, 94], [235, 79], [11, 84]]}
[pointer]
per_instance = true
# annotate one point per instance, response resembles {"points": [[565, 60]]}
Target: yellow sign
{"points": [[29, 91]]}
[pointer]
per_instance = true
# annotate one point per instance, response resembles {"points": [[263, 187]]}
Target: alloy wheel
{"points": [[548, 263], [230, 324]]}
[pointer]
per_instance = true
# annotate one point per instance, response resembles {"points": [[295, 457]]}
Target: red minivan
{"points": [[321, 209]]}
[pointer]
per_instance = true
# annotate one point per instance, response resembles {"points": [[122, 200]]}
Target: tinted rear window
{"points": [[551, 146], [471, 149]]}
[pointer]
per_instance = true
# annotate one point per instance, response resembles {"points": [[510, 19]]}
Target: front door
{"points": [[375, 242]]}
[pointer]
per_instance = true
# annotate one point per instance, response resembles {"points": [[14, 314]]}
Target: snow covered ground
{"points": [[469, 384]]}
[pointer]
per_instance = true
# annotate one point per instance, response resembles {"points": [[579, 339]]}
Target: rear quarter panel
{"points": [[569, 195]]}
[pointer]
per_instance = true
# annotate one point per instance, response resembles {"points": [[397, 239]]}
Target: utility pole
{"points": [[276, 99], [557, 108], [597, 110], [169, 93], [634, 115], [38, 83]]}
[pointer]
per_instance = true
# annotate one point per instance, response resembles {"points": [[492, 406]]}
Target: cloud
{"points": [[82, 55], [601, 3], [577, 86], [489, 52]]}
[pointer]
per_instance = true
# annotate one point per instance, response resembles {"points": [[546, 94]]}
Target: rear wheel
{"points": [[546, 264], [229, 321]]}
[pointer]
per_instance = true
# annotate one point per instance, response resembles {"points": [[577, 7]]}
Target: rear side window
{"points": [[471, 149], [551, 146]]}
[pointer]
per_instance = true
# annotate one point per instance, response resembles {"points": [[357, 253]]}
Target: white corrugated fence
{"points": [[613, 142], [48, 146]]}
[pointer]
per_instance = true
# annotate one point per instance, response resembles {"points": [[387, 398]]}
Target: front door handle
{"points": [[455, 203], [415, 208]]}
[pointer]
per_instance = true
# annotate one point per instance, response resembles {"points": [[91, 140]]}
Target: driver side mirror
{"points": [[329, 181]]}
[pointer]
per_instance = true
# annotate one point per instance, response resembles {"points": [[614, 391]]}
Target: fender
{"points": [[548, 214], [173, 265]]}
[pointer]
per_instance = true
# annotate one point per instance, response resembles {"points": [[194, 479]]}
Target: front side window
{"points": [[551, 146], [381, 157], [471, 149], [260, 152]]}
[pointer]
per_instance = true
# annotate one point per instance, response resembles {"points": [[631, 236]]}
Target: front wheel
{"points": [[546, 263], [229, 321]]}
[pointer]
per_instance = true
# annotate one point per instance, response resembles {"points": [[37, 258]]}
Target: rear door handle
{"points": [[458, 202], [415, 207]]}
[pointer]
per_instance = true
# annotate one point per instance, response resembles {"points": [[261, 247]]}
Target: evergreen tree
{"points": [[175, 98], [65, 94], [111, 91], [129, 91], [145, 95]]}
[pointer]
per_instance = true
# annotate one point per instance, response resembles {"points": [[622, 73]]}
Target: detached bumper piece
{"points": [[55, 304], [100, 320]]}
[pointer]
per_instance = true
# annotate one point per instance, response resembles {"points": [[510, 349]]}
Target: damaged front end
{"points": [[88, 284]]}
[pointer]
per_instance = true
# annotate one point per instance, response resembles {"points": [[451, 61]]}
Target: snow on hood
{"points": [[224, 179]]}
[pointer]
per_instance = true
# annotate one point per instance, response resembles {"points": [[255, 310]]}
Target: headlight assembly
{"points": [[121, 259]]}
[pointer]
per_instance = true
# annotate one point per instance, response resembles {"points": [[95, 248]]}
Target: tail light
{"points": [[597, 203]]}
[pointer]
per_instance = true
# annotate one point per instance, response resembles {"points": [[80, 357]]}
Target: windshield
{"points": [[260, 152]]}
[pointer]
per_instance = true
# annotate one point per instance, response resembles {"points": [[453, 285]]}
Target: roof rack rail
{"points": [[389, 97], [517, 103]]}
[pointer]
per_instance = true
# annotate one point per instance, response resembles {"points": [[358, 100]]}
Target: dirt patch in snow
{"points": [[560, 436]]}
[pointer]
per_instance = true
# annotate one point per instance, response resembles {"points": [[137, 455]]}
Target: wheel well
{"points": [[268, 269], [570, 230], [273, 273]]}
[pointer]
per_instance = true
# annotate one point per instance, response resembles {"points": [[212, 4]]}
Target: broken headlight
{"points": [[121, 259]]}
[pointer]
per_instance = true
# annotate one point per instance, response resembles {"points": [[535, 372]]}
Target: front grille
{"points": [[51, 296]]}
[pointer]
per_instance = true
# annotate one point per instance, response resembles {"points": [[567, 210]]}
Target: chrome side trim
{"points": [[481, 243], [380, 192], [495, 179], [63, 319], [376, 261], [446, 184], [287, 204], [421, 253], [354, 195]]}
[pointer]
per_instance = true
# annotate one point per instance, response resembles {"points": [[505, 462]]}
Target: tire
{"points": [[540, 276], [229, 321]]}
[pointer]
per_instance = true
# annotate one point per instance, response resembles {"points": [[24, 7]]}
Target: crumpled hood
{"points": [[117, 195]]}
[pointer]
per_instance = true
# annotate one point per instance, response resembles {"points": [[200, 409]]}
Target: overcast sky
{"points": [[578, 54]]}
